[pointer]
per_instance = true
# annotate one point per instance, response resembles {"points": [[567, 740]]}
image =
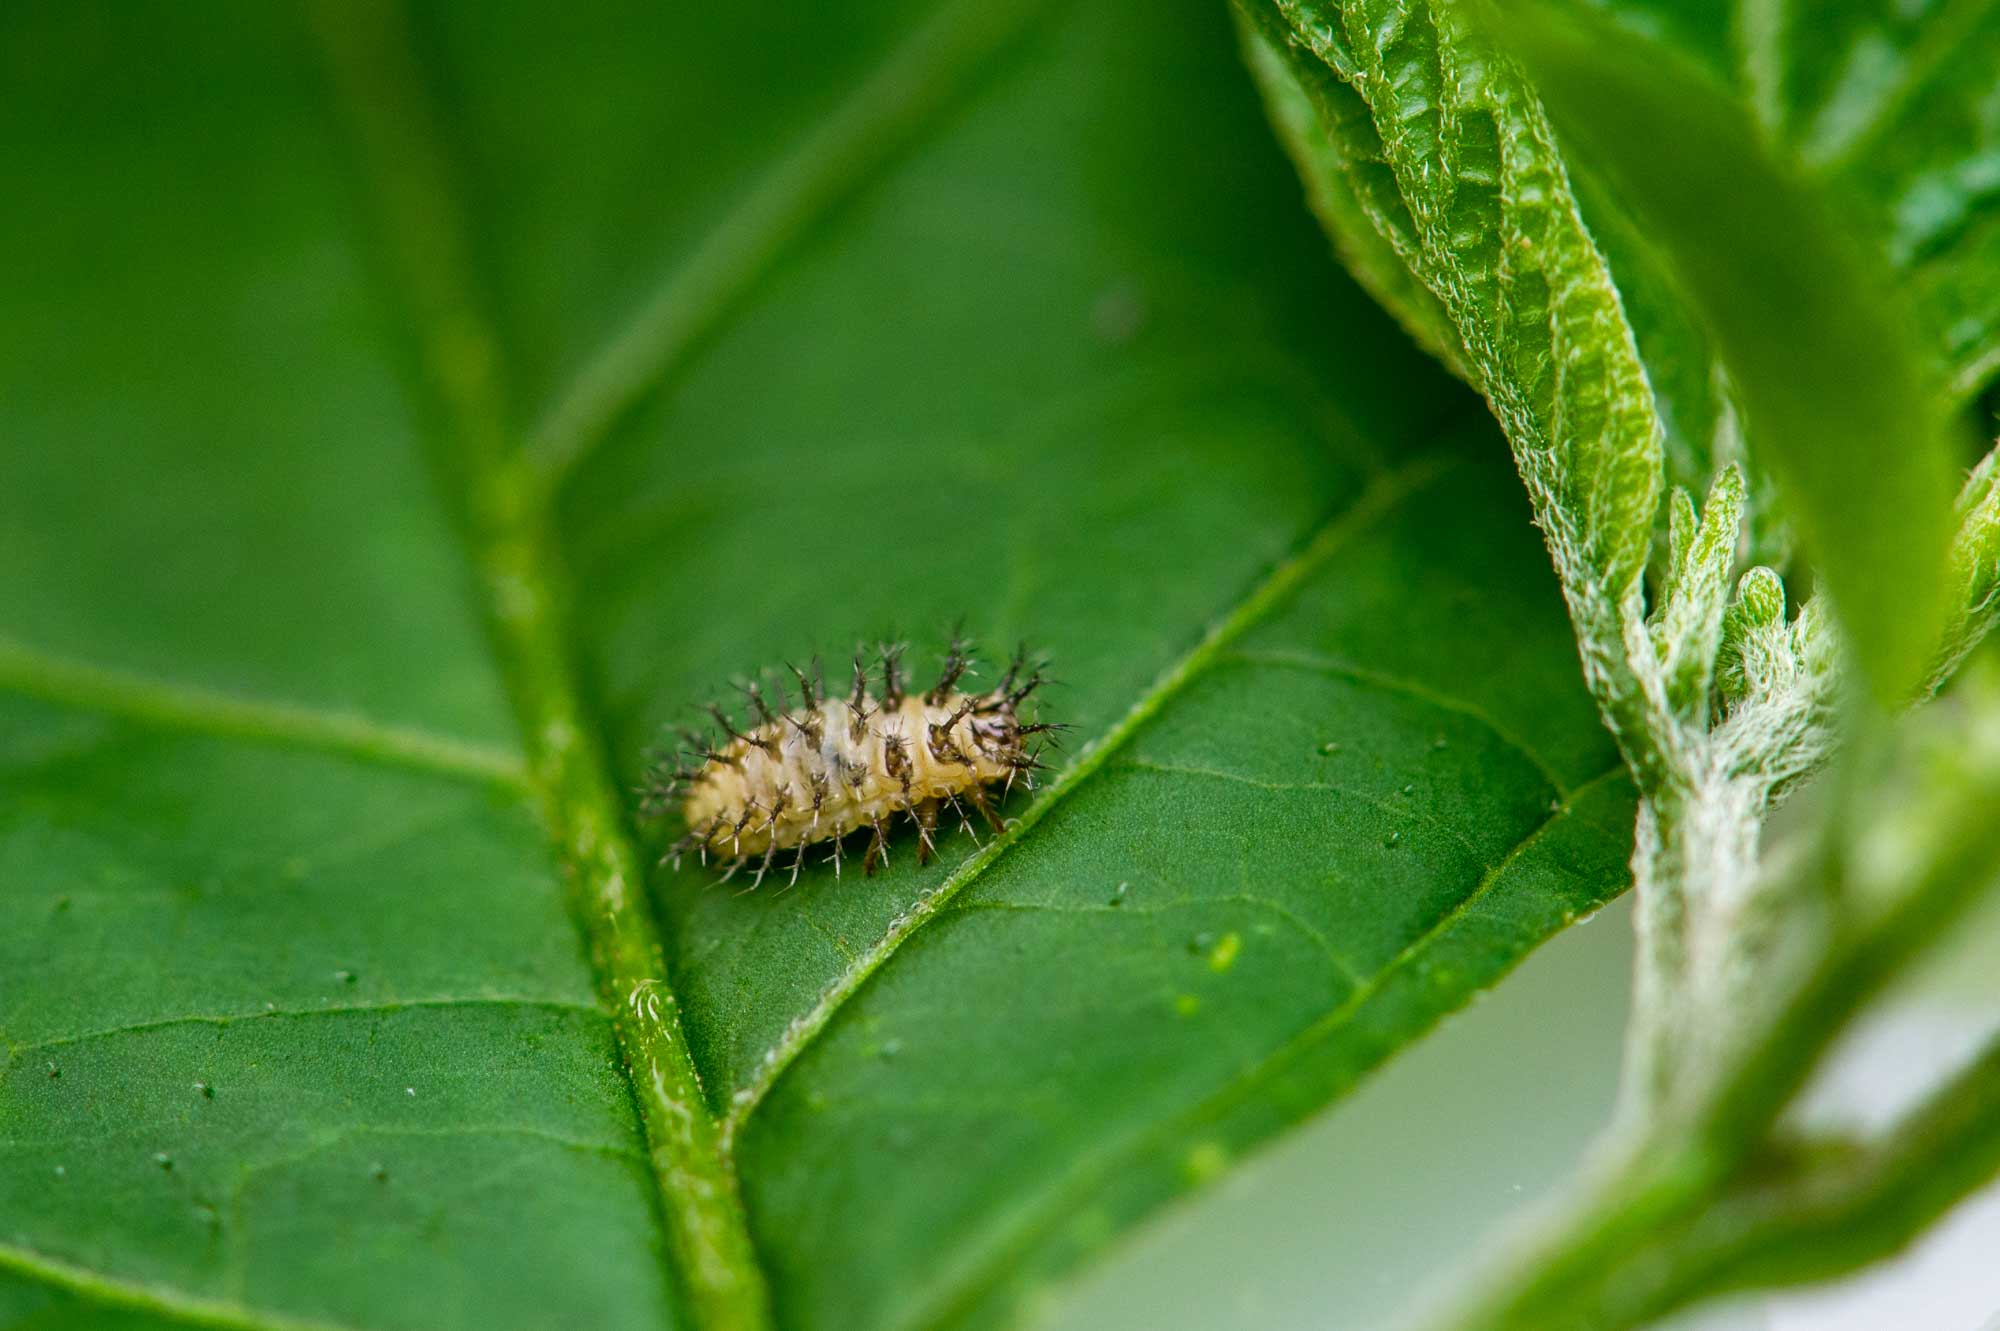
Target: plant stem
{"points": [[1832, 1215], [1681, 1199], [1699, 903]]}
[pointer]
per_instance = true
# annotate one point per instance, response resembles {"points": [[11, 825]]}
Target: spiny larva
{"points": [[833, 765]]}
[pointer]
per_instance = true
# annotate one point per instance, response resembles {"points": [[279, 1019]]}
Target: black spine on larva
{"points": [[808, 698], [896, 760], [807, 722], [892, 677], [666, 782], [1016, 693], [955, 663], [756, 741], [756, 697], [941, 746], [695, 744], [1052, 729], [857, 705], [995, 699]]}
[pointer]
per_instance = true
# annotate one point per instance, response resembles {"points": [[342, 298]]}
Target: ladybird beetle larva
{"points": [[830, 766]]}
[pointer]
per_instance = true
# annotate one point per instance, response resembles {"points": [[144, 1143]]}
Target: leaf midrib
{"points": [[511, 549], [509, 482]]}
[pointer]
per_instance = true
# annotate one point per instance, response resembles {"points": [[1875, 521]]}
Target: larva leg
{"points": [[964, 818], [926, 815], [764, 867], [977, 794], [878, 849]]}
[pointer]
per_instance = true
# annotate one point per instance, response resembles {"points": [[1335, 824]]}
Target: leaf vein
{"points": [[1379, 498], [160, 703], [1285, 913], [1068, 1197], [1284, 787], [912, 87], [153, 1299], [1409, 688], [264, 1014]]}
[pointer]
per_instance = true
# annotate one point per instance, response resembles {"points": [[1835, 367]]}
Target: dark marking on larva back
{"points": [[830, 766]]}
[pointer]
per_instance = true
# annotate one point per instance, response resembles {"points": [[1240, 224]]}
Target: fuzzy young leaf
{"points": [[1700, 554], [1446, 155], [1834, 391], [1975, 568]]}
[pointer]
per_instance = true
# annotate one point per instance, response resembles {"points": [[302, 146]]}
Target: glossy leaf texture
{"points": [[826, 327]]}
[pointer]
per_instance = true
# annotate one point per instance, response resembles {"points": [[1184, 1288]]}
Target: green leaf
{"points": [[332, 996], [1441, 153], [1889, 108], [1830, 377], [1876, 116]]}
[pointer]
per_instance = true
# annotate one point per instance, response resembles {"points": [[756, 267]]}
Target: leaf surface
{"points": [[1025, 326]]}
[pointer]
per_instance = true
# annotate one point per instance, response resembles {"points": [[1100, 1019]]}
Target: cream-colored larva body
{"points": [[854, 776], [832, 766]]}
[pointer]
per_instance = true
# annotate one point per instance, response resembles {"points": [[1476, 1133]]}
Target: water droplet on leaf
{"points": [[1223, 955], [1205, 1162]]}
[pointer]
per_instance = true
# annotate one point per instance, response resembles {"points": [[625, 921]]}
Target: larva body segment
{"points": [[831, 766]]}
